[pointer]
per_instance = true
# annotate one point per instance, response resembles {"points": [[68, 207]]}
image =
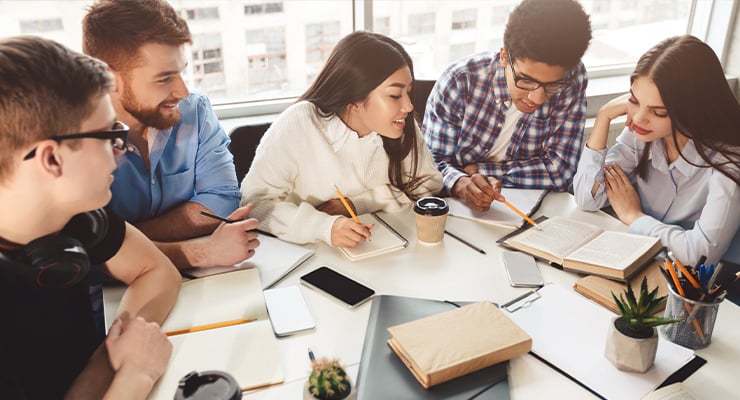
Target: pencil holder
{"points": [[695, 331]]}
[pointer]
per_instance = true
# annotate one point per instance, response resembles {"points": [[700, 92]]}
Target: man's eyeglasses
{"points": [[531, 84], [117, 136]]}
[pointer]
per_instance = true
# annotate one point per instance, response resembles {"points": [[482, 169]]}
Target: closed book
{"points": [[445, 346], [600, 289]]}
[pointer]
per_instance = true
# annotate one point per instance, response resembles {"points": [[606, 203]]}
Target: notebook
{"points": [[248, 351], [569, 332], [585, 248], [382, 375], [384, 240], [274, 259], [526, 200]]}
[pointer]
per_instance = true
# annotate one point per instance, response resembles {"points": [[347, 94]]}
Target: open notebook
{"points": [[526, 200], [274, 259], [384, 240], [248, 351]]}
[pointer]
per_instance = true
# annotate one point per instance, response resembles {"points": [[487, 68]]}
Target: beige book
{"points": [[246, 350], [445, 346], [600, 289], [586, 248]]}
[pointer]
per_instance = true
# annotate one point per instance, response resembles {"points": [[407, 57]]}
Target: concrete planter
{"points": [[630, 354]]}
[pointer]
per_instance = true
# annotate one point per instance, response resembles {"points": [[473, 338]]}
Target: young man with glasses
{"points": [[178, 163], [55, 229], [516, 117]]}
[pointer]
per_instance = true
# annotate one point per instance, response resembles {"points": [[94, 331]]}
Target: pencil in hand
{"points": [[347, 206], [521, 214]]}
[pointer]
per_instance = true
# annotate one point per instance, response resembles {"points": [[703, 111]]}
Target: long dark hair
{"points": [[699, 102], [359, 63]]}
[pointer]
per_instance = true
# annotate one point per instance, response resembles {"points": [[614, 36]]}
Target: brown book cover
{"points": [[445, 346], [600, 289]]}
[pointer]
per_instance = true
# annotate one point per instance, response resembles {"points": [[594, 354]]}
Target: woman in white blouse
{"points": [[681, 145], [353, 128]]}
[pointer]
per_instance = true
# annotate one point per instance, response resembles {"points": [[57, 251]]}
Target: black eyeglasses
{"points": [[117, 136], [531, 84]]}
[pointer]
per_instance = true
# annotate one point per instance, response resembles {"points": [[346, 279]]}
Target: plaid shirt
{"points": [[466, 111]]}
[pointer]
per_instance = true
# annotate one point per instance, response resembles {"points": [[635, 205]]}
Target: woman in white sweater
{"points": [[681, 145], [353, 128]]}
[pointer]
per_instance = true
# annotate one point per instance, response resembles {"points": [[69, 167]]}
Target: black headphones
{"points": [[59, 260]]}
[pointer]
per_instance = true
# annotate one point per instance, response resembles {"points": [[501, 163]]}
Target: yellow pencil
{"points": [[521, 214], [209, 326], [346, 205]]}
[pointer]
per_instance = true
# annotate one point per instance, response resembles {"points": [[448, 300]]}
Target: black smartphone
{"points": [[348, 291]]}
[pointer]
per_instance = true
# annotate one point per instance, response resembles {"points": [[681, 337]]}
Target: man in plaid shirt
{"points": [[479, 141]]}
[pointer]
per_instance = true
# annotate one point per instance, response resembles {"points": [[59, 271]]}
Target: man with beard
{"points": [[178, 163], [514, 117]]}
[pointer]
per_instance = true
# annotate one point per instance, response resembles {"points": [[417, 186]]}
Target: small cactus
{"points": [[637, 313], [328, 380]]}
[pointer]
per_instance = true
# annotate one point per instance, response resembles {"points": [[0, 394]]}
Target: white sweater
{"points": [[303, 155]]}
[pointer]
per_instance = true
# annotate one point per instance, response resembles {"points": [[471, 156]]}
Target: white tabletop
{"points": [[454, 271]]}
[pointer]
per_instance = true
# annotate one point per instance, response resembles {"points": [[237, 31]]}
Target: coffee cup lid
{"points": [[208, 385], [432, 206]]}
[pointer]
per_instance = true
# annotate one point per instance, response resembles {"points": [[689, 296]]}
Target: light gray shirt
{"points": [[694, 210]]}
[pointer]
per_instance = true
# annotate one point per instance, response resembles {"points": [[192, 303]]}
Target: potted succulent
{"points": [[328, 381], [632, 340]]}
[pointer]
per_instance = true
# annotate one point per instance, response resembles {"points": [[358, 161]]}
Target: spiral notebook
{"points": [[384, 240]]}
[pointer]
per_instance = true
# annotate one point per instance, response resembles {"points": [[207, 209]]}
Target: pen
{"points": [[346, 205], [231, 221], [683, 294], [521, 214], [310, 355], [465, 242], [714, 276], [209, 326]]}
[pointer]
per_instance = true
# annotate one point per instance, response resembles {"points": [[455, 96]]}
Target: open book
{"points": [[274, 259], [586, 248], [526, 200], [384, 240], [600, 289], [248, 351]]}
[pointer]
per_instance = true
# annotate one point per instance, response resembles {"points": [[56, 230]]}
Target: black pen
{"points": [[465, 242], [231, 221], [310, 355]]}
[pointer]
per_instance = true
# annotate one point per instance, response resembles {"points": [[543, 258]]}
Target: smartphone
{"points": [[521, 269], [348, 291], [288, 311]]}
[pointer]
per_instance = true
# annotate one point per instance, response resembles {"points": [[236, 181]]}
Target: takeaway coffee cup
{"points": [[208, 385], [431, 215]]}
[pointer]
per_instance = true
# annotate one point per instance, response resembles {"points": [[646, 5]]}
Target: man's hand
{"points": [[347, 233], [140, 348], [622, 195], [478, 191], [336, 207], [234, 242]]}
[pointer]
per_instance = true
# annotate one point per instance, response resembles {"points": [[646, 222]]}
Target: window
{"points": [[263, 8], [41, 25], [266, 60], [460, 50], [320, 40], [382, 25], [201, 13], [208, 64], [463, 19], [420, 24]]}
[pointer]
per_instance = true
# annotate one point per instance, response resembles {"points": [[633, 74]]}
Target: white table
{"points": [[453, 271]]}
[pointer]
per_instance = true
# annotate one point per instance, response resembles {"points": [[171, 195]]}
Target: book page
{"points": [[526, 200], [617, 250], [203, 301], [559, 236], [383, 240], [274, 258], [247, 351], [675, 391]]}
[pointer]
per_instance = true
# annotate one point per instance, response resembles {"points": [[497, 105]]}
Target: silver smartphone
{"points": [[288, 311], [348, 291], [521, 269]]}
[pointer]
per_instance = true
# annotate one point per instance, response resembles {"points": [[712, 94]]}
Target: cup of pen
{"points": [[695, 329], [431, 216]]}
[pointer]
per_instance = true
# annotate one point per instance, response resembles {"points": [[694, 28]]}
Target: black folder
{"points": [[383, 375]]}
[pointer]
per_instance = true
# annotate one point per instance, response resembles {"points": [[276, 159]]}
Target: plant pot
{"points": [[352, 395], [630, 354]]}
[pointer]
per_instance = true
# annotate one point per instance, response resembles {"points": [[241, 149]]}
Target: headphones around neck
{"points": [[59, 260]]}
